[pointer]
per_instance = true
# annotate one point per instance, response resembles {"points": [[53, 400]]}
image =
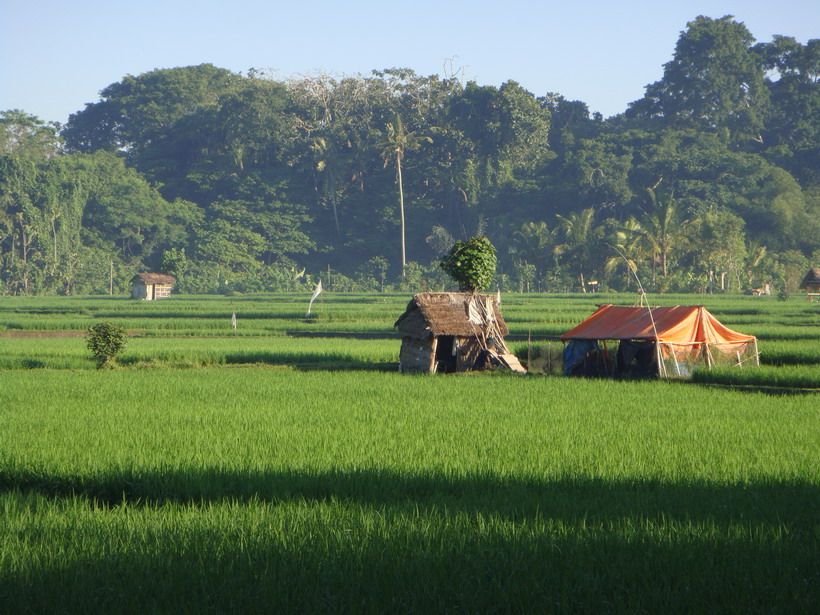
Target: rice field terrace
{"points": [[287, 467]]}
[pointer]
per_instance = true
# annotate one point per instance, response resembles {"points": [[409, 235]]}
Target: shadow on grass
{"points": [[157, 313], [785, 391], [377, 541], [356, 335], [764, 379], [300, 361], [311, 361], [517, 499], [32, 363]]}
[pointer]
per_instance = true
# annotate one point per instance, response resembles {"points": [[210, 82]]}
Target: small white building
{"points": [[151, 286]]}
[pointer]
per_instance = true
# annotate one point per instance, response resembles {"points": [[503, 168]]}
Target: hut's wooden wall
{"points": [[161, 291], [139, 291], [420, 355], [417, 355]]}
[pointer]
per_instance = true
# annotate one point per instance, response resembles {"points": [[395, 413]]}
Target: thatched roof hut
{"points": [[453, 332], [152, 286], [811, 283]]}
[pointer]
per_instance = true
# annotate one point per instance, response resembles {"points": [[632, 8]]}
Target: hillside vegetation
{"points": [[241, 182]]}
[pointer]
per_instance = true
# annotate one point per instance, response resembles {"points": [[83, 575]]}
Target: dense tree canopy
{"points": [[713, 83], [244, 183]]}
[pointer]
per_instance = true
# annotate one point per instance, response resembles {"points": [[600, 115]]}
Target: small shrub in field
{"points": [[105, 340]]}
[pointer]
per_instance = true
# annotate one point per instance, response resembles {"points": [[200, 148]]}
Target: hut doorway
{"points": [[446, 354]]}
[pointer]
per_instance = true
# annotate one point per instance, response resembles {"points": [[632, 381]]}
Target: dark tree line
{"points": [[242, 182]]}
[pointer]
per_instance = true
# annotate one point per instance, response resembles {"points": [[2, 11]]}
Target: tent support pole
{"points": [[661, 367], [677, 365]]}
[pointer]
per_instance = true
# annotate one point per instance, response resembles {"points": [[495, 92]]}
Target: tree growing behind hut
{"points": [[471, 263]]}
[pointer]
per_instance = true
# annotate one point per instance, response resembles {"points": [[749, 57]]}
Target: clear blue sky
{"points": [[56, 55]]}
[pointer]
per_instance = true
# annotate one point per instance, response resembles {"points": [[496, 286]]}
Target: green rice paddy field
{"points": [[289, 468]]}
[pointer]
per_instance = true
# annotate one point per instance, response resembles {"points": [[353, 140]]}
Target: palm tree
{"points": [[534, 243], [626, 241], [580, 238], [755, 261], [397, 142], [662, 229], [329, 164]]}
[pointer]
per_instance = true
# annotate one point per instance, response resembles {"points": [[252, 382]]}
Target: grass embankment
{"points": [[141, 352], [788, 376]]}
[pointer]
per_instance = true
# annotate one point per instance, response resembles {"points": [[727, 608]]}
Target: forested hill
{"points": [[241, 182]]}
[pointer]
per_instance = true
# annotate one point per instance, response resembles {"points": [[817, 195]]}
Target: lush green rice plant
{"points": [[264, 490]]}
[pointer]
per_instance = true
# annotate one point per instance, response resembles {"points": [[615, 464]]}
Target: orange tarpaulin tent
{"points": [[682, 324], [682, 336]]}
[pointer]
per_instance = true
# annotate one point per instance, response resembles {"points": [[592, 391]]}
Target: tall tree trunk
{"points": [[401, 212], [335, 213], [664, 257], [654, 267], [54, 239], [25, 243], [330, 186]]}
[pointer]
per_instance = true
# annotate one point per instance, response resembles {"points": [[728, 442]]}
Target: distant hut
{"points": [[811, 283], [151, 286], [453, 332]]}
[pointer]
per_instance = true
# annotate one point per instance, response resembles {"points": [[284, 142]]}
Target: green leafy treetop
{"points": [[471, 263], [105, 340]]}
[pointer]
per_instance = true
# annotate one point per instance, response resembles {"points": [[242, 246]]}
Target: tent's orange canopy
{"points": [[672, 325]]}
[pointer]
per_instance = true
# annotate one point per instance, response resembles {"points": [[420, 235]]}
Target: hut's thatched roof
{"points": [[154, 278], [434, 314], [812, 277]]}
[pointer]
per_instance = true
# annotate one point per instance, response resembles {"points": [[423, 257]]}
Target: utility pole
{"points": [[111, 280]]}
